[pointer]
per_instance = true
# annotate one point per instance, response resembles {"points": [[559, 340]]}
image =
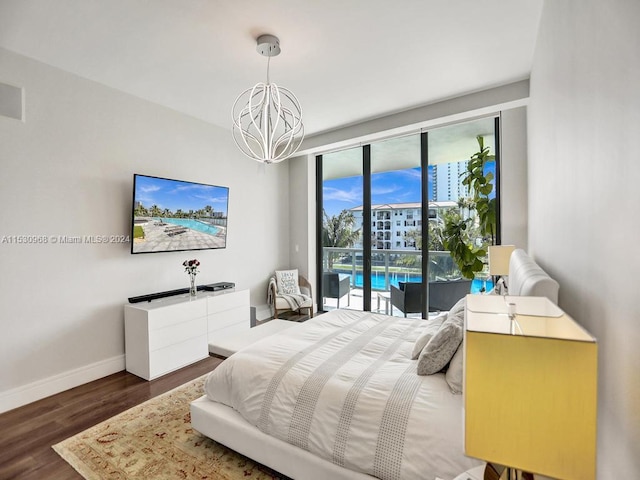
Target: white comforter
{"points": [[343, 387]]}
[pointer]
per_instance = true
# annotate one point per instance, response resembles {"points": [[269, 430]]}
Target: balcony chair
{"points": [[336, 285], [442, 295], [289, 291], [407, 298]]}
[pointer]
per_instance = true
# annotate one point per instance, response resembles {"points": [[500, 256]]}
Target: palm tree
{"points": [[155, 211], [414, 236], [436, 233], [141, 211], [337, 231]]}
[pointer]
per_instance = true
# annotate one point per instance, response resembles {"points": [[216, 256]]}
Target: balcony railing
{"points": [[389, 266]]}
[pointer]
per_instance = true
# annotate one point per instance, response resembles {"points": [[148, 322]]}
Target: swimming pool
{"points": [[378, 281], [192, 224]]}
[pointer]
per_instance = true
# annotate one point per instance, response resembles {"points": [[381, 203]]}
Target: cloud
{"points": [[353, 195], [386, 190], [414, 173], [193, 186], [212, 199]]}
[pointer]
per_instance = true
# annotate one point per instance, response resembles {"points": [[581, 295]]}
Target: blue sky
{"points": [[399, 186], [176, 194]]}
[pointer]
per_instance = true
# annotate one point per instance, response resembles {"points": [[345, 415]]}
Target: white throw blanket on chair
{"points": [[295, 301]]}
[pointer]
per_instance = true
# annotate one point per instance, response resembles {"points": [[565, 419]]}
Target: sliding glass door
{"points": [[386, 213], [454, 206], [341, 201], [396, 219]]}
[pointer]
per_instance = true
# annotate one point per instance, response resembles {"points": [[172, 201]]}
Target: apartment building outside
{"points": [[391, 222]]}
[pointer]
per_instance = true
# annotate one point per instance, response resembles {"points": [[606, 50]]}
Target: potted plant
{"points": [[470, 230]]}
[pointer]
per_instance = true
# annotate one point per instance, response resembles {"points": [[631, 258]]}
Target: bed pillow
{"points": [[458, 309], [454, 372], [443, 345], [432, 327], [287, 281], [438, 352]]}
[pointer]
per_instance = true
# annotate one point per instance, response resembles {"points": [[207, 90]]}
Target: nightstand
{"points": [[476, 473]]}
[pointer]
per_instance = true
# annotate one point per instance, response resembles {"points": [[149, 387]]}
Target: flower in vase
{"points": [[191, 266]]}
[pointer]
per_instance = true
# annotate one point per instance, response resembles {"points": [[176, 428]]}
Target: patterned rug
{"points": [[154, 440]]}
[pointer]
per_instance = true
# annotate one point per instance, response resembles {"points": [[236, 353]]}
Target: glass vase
{"points": [[193, 289]]}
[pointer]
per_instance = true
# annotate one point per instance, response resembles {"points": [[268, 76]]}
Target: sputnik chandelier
{"points": [[267, 119]]}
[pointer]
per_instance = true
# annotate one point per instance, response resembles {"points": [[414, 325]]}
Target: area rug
{"points": [[154, 440]]}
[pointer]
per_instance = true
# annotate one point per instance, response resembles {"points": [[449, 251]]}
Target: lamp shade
{"points": [[499, 256], [531, 396]]}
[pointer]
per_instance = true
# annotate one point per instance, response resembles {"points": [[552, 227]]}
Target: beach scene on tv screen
{"points": [[172, 215]]}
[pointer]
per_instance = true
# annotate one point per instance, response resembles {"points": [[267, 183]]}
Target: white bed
{"points": [[340, 389], [338, 397]]}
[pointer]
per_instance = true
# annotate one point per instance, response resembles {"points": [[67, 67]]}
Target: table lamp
{"points": [[499, 256], [530, 392]]}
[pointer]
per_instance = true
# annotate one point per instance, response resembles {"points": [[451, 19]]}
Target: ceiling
{"points": [[450, 143], [346, 61]]}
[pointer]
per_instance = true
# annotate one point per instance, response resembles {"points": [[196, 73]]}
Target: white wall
{"points": [[68, 170], [584, 170], [302, 211]]}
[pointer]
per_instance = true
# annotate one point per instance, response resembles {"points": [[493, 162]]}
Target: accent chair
{"points": [[284, 299]]}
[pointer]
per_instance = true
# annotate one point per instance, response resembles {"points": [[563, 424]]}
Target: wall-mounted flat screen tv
{"points": [[174, 215]]}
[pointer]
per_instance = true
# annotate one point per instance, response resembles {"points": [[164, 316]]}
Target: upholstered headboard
{"points": [[527, 278]]}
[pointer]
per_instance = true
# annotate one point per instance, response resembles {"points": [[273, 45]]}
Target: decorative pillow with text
{"points": [[287, 281]]}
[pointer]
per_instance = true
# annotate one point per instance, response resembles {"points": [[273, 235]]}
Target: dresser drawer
{"points": [[239, 315], [228, 301], [172, 314], [176, 356], [225, 332], [176, 333]]}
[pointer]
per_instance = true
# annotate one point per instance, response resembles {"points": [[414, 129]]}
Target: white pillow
{"points": [[458, 310], [432, 327], [454, 372], [287, 281]]}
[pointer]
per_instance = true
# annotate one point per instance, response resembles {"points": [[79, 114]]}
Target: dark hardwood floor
{"points": [[27, 433]]}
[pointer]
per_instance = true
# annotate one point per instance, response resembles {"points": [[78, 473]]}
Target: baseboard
{"points": [[46, 387]]}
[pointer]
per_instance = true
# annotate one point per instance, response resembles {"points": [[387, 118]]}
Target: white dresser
{"points": [[167, 334]]}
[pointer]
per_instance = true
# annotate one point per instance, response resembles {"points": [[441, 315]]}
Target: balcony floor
{"points": [[377, 303]]}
